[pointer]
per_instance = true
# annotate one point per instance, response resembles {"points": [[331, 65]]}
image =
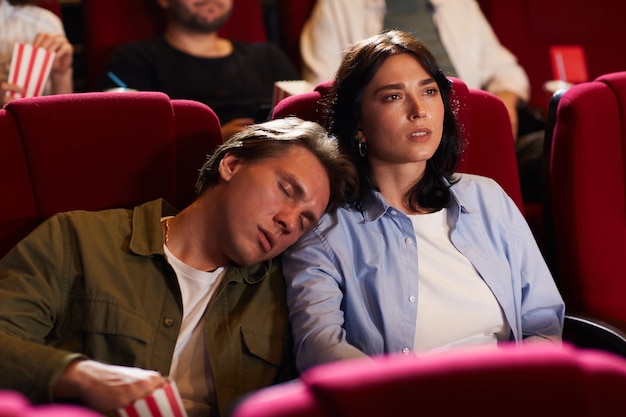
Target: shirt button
{"points": [[408, 240], [406, 351], [412, 298], [168, 322], [393, 212]]}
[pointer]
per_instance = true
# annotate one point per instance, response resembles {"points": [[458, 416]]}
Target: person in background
{"points": [[23, 21], [99, 307], [456, 32], [426, 259], [191, 61]]}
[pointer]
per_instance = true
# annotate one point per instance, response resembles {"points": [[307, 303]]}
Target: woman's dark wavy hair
{"points": [[359, 66]]}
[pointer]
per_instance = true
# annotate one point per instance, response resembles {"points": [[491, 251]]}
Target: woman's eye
{"points": [[431, 91]]}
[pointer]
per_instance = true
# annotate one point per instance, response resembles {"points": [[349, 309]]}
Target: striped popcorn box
{"points": [[163, 402], [30, 68]]}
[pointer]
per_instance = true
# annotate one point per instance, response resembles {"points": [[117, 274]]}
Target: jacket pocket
{"points": [[269, 348], [110, 332]]}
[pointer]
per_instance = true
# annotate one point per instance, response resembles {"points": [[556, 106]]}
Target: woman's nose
{"points": [[418, 110]]}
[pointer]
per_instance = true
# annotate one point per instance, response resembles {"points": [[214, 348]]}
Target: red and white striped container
{"points": [[30, 68], [163, 402]]}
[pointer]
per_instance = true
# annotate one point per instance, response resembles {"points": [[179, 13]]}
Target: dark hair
{"points": [[22, 2], [358, 68], [271, 139]]}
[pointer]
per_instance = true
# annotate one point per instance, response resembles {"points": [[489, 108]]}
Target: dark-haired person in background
{"points": [[191, 61]]}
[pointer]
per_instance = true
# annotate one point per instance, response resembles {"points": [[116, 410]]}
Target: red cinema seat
{"points": [[94, 151], [556, 381]]}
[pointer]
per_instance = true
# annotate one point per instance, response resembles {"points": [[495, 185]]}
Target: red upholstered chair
{"points": [[292, 15], [18, 213], [94, 151], [108, 23], [530, 27], [587, 190], [553, 380], [490, 149], [14, 404]]}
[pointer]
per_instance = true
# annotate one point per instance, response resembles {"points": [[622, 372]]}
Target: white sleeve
{"points": [[332, 27]]}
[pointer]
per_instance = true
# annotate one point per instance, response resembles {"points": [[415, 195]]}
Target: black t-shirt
{"points": [[238, 85]]}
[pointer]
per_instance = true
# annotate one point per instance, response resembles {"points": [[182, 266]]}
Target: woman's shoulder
{"points": [[476, 185], [474, 180]]}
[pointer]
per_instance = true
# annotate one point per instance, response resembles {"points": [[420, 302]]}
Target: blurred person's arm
{"points": [[235, 126], [511, 102], [7, 87], [331, 28], [479, 58]]}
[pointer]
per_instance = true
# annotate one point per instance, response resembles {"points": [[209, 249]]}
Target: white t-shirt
{"points": [[455, 307], [190, 367]]}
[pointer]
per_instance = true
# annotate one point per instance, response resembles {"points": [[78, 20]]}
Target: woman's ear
{"points": [[360, 137]]}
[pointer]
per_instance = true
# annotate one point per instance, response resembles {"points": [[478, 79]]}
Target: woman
{"points": [[425, 259]]}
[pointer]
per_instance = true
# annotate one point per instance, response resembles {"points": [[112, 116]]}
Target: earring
{"points": [[362, 149]]}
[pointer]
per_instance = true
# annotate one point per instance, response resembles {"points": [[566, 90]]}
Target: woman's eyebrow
{"points": [[401, 86]]}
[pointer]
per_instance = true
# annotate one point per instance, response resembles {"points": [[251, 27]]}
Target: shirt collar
{"points": [[376, 205], [146, 239]]}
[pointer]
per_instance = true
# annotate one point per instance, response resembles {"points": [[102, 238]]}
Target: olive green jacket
{"points": [[97, 285]]}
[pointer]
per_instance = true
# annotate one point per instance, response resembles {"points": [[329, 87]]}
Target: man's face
{"points": [[270, 203], [200, 15]]}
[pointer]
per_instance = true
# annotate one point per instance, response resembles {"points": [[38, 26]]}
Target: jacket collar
{"points": [[146, 239]]}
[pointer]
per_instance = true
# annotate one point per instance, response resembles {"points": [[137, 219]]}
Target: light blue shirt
{"points": [[352, 281]]}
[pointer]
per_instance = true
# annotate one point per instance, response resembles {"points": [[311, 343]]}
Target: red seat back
{"points": [[587, 182], [292, 15], [528, 28], [18, 213], [456, 383], [94, 151]]}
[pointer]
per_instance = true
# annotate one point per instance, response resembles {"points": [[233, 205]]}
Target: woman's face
{"points": [[401, 114]]}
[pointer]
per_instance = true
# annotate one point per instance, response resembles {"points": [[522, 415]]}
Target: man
{"points": [[192, 61], [23, 21], [99, 306]]}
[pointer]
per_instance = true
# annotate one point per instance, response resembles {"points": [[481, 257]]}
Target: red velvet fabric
{"points": [[93, 151], [292, 15], [14, 404], [457, 383], [109, 23], [484, 122], [529, 27], [18, 212], [588, 196]]}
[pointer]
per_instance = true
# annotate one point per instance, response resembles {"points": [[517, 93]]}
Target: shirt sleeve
{"points": [[30, 300], [314, 298]]}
